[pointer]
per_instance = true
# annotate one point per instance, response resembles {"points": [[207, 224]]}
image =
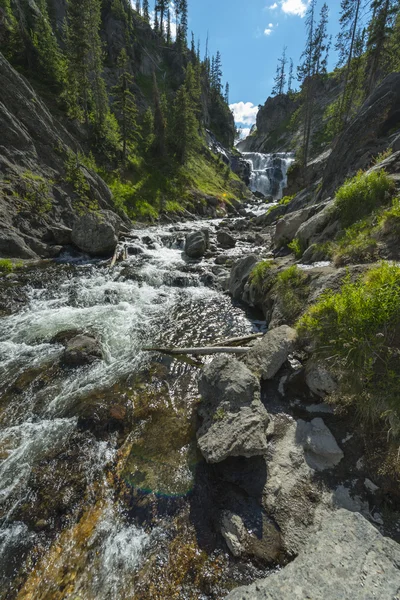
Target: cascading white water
{"points": [[269, 172]]}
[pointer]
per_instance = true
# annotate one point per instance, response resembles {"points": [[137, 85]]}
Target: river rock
{"points": [[319, 380], [287, 227], [320, 448], [268, 354], [81, 350], [91, 233], [309, 230], [196, 244], [225, 239], [240, 273], [234, 421], [265, 544], [345, 558]]}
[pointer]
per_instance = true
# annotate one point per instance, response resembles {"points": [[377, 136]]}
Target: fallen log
{"points": [[238, 340], [200, 351]]}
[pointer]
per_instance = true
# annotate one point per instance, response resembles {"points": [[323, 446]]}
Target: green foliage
{"points": [[219, 414], [36, 190], [292, 291], [83, 201], [383, 156], [296, 247], [183, 134], [125, 105], [6, 265], [262, 276], [11, 41], [357, 244], [361, 195], [51, 62], [358, 331], [286, 200]]}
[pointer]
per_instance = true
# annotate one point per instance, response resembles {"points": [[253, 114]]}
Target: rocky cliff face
{"points": [[36, 196]]}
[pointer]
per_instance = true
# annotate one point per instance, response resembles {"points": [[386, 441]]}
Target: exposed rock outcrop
{"points": [[346, 558], [240, 274]]}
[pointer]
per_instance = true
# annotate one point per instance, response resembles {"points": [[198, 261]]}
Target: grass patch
{"points": [[6, 265], [357, 244], [390, 219], [359, 196], [262, 276], [357, 330], [292, 288], [382, 156]]}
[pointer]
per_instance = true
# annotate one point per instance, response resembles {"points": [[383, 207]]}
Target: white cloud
{"points": [[273, 6], [270, 25], [294, 7], [244, 132], [244, 112], [267, 31]]}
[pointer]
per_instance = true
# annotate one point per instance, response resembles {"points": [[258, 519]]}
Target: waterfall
{"points": [[269, 172]]}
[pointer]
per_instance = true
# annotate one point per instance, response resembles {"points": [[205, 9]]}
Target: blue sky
{"points": [[251, 35]]}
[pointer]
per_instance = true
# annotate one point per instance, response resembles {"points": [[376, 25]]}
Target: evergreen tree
{"points": [[125, 104], [193, 49], [184, 133], [162, 7], [86, 92], [159, 121], [156, 23], [291, 77], [345, 45], [216, 73], [146, 11], [380, 29], [51, 63], [169, 35], [138, 6], [280, 78], [10, 32], [147, 131], [226, 96], [198, 51], [182, 16]]}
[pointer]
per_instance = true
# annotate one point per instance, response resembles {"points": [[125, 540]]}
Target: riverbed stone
{"points": [[240, 274], [345, 558], [94, 234], [320, 447], [81, 350], [234, 421], [319, 379], [268, 354], [225, 239], [196, 244], [264, 544]]}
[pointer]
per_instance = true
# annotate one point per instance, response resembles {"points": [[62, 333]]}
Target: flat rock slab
{"points": [[234, 419], [346, 559], [269, 353]]}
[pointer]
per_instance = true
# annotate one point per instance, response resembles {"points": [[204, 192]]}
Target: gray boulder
{"points": [[225, 240], [287, 227], [269, 353], [240, 273], [234, 420], [319, 380], [196, 244], [320, 448], [93, 234], [346, 558], [81, 350], [309, 230]]}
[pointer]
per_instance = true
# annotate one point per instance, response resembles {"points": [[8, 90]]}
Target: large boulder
{"points": [[287, 227], [310, 229], [81, 350], [240, 274], [225, 239], [93, 234], [346, 558], [196, 244], [234, 421], [269, 353]]}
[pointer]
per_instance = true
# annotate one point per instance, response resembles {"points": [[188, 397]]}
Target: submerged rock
{"points": [[270, 352], [346, 558], [234, 420], [82, 350]]}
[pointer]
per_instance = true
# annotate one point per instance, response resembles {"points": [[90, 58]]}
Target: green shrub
{"points": [[358, 331], [6, 265], [36, 190], [261, 276], [286, 200], [83, 201], [361, 195], [292, 289], [390, 219], [296, 247], [382, 156], [357, 244]]}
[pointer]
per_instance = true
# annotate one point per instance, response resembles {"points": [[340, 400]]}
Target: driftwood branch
{"points": [[200, 351], [237, 340]]}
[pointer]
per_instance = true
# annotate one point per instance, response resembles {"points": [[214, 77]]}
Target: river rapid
{"points": [[102, 491]]}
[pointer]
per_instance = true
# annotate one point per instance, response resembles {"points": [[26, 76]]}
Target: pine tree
{"points": [[146, 11], [125, 104], [138, 6], [184, 133], [162, 7], [291, 77], [182, 16], [147, 130], [216, 73], [280, 78], [380, 29], [159, 121], [86, 91], [10, 32], [192, 49], [51, 63], [169, 35], [345, 45], [156, 23], [226, 96], [198, 51]]}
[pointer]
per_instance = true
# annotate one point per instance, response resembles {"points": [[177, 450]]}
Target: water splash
{"points": [[269, 172]]}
